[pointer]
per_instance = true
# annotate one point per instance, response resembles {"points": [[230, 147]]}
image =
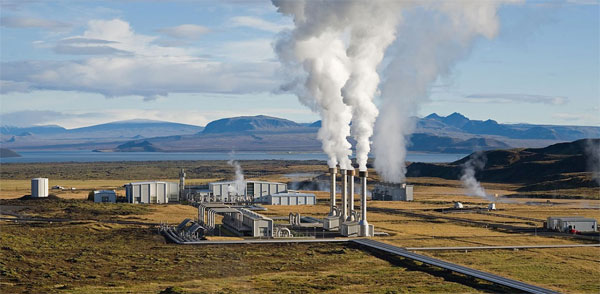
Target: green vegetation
{"points": [[90, 255], [75, 209], [152, 169], [109, 258]]}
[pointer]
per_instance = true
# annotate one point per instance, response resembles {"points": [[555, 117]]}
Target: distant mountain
{"points": [[6, 153], [135, 128], [248, 123], [41, 130], [454, 133], [558, 166], [17, 137], [457, 122]]}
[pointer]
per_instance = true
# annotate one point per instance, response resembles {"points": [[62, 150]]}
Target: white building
{"points": [[105, 196], [152, 192], [39, 187], [223, 192], [565, 224], [289, 198]]}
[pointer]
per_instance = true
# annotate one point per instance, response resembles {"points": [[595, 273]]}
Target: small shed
{"points": [[105, 196], [565, 224]]}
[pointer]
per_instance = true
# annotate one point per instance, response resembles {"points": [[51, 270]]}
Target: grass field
{"points": [[84, 257], [89, 256]]}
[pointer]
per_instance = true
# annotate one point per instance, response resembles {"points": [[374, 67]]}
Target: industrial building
{"points": [[289, 197], [105, 196], [239, 220], [39, 187], [567, 224], [392, 192], [152, 192], [223, 192]]}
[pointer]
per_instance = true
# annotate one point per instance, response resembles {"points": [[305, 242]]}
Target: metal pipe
{"points": [[364, 225], [332, 172], [344, 214], [351, 195]]}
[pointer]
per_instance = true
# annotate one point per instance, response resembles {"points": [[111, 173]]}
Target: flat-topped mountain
{"points": [[248, 123]]}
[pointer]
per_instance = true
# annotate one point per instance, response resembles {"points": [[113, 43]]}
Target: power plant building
{"points": [[223, 192], [392, 192], [152, 192], [39, 187], [289, 198], [566, 224], [105, 196]]}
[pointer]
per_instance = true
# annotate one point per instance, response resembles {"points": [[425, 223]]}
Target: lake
{"points": [[89, 156]]}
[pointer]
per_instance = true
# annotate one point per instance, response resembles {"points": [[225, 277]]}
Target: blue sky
{"points": [[77, 63]]}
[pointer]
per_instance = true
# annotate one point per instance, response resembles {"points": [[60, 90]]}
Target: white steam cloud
{"points": [[476, 162], [239, 185], [592, 150], [333, 54]]}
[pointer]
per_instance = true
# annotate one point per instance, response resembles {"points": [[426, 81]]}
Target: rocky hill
{"points": [[558, 166]]}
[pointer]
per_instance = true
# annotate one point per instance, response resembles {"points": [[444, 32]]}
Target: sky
{"points": [[80, 62]]}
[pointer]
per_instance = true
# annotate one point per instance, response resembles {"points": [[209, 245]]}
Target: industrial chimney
{"points": [[344, 214], [351, 195], [364, 225], [332, 172]]}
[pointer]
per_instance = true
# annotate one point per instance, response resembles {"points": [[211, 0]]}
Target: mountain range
{"points": [[454, 133]]}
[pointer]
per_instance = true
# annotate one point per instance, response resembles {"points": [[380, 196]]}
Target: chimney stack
{"points": [[351, 195], [332, 172], [364, 225], [344, 214]]}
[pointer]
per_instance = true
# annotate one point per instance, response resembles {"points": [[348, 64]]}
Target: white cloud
{"points": [[185, 31], [32, 22], [514, 98], [585, 118], [133, 64], [258, 23], [250, 50]]}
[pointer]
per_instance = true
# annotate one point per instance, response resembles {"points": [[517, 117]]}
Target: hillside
{"points": [[557, 166], [128, 129], [249, 123]]}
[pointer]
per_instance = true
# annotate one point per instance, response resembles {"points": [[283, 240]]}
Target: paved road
{"points": [[500, 247], [528, 288]]}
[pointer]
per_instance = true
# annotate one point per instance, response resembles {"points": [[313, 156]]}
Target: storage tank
{"points": [[39, 187]]}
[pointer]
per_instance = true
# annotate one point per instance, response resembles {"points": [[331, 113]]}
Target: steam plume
{"points": [[239, 185], [592, 150], [371, 32], [315, 45], [333, 54], [476, 162], [432, 38]]}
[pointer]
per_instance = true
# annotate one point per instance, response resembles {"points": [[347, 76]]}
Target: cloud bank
{"points": [[124, 62]]}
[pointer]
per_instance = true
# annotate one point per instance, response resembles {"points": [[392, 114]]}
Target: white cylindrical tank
{"points": [[458, 205], [492, 206], [39, 187]]}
